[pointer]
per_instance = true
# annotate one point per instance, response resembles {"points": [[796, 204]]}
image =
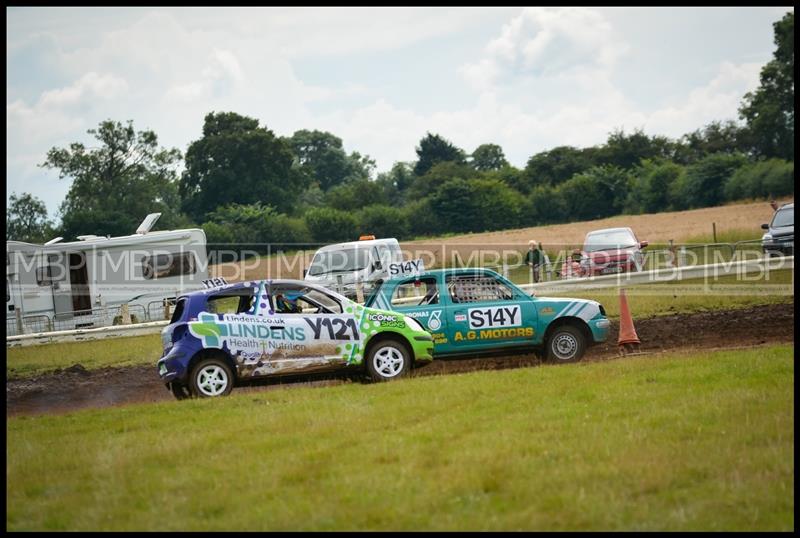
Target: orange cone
{"points": [[627, 334]]}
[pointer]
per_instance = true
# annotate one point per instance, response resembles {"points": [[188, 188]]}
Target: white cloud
{"points": [[89, 86], [537, 78], [546, 42], [717, 100]]}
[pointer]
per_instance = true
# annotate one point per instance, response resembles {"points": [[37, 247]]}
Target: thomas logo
{"points": [[435, 321]]}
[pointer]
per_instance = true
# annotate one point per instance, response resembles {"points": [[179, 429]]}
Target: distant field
{"points": [[684, 442], [733, 222]]}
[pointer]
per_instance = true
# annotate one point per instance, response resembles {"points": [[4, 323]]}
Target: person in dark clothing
{"points": [[533, 258]]}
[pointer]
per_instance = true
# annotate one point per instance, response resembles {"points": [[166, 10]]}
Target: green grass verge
{"points": [[127, 351], [693, 295], [687, 442]]}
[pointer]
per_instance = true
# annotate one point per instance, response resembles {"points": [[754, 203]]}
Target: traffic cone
{"points": [[628, 340]]}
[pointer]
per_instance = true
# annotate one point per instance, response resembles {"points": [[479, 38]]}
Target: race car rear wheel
{"points": [[211, 378], [181, 392], [388, 359], [566, 344]]}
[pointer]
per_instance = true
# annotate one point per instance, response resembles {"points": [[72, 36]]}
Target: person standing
{"points": [[533, 258]]}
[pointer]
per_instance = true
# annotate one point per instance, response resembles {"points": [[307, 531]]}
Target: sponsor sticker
{"points": [[435, 321], [494, 316], [404, 269], [494, 334], [461, 317]]}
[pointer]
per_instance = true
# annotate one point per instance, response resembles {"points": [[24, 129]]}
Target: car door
{"points": [[420, 298], [488, 312], [310, 330]]}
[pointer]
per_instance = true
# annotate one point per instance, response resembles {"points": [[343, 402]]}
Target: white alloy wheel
{"points": [[388, 361], [211, 378]]}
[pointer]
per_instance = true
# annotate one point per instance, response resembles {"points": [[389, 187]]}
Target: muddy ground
{"points": [[76, 388]]}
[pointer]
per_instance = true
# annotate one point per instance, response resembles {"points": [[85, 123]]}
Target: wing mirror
{"points": [[643, 244], [765, 226], [305, 272]]}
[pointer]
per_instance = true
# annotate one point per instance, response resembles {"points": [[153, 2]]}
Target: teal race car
{"points": [[470, 311]]}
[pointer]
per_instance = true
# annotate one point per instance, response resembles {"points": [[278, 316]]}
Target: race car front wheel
{"points": [[566, 344], [210, 378], [388, 359]]}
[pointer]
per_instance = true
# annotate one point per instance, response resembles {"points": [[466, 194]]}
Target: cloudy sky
{"points": [[379, 78]]}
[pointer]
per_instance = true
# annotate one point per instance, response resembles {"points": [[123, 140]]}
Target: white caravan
{"points": [[344, 265], [84, 283]]}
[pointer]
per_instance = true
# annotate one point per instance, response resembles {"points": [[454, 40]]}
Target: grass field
{"points": [[686, 442], [693, 295], [647, 300], [127, 351]]}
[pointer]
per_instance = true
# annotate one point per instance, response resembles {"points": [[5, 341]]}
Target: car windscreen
{"points": [[783, 217], [608, 241], [339, 261]]}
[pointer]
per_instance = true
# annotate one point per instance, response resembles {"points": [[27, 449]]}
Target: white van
{"points": [[342, 266]]}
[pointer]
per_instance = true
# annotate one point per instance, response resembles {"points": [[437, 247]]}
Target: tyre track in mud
{"points": [[76, 388]]}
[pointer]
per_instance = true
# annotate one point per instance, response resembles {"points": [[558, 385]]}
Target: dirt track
{"points": [[76, 388]]}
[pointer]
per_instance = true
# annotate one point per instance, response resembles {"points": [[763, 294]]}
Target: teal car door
{"points": [[487, 311], [420, 299]]}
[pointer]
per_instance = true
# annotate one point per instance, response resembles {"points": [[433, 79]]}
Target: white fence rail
{"points": [[659, 276], [739, 268]]}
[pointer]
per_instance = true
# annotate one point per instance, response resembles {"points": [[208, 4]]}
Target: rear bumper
{"points": [[173, 367]]}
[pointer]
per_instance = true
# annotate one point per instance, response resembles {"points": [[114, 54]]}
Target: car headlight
{"points": [[414, 324], [766, 237]]}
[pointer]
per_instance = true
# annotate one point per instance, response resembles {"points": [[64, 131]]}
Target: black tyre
{"points": [[388, 359], [211, 378], [181, 392], [565, 344]]}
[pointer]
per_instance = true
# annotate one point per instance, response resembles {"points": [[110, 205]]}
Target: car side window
{"points": [[477, 289], [420, 292], [230, 303], [288, 299]]}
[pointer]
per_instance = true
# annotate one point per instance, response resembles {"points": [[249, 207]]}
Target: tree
{"points": [[328, 225], [322, 157], [476, 206], [651, 191], [626, 151], [254, 227], [769, 110], [383, 221], [555, 166], [545, 205], [488, 157], [115, 185], [26, 219], [396, 182], [762, 179], [355, 194], [434, 149], [716, 137], [704, 182], [599, 192], [236, 161], [438, 175]]}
